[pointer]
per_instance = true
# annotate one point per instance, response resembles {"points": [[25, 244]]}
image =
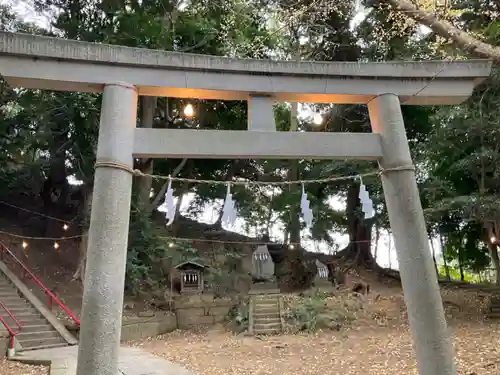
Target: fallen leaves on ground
{"points": [[362, 350], [16, 368]]}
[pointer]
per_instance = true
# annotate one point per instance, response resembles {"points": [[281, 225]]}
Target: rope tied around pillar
{"points": [[396, 169], [104, 163]]}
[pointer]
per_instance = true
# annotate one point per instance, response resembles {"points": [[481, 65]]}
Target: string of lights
{"points": [[36, 213], [172, 240]]}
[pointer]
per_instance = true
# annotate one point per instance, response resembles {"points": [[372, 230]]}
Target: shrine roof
{"points": [[194, 263]]}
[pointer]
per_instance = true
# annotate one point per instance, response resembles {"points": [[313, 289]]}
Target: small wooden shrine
{"points": [[191, 276]]}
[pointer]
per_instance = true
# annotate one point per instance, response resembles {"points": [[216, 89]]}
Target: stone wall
{"points": [[192, 311], [141, 327]]}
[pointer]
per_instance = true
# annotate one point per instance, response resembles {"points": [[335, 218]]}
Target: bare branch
{"points": [[156, 202], [445, 29]]}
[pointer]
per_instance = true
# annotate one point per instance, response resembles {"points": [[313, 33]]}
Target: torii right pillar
{"points": [[433, 346]]}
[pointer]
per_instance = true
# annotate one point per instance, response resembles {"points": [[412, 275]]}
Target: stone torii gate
{"points": [[123, 73]]}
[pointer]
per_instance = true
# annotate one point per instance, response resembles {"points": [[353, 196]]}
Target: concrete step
{"points": [[495, 309], [265, 296], [47, 346], [271, 331], [39, 335], [267, 320], [273, 302], [23, 310], [267, 305], [267, 326], [15, 304], [41, 342], [259, 309], [36, 327], [7, 298], [24, 314], [493, 315], [267, 315], [8, 293], [7, 287], [27, 321]]}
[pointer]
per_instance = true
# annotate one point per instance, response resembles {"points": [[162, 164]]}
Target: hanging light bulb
{"points": [[22, 153], [65, 227], [171, 244], [56, 245], [189, 110], [318, 119], [493, 239], [291, 246], [25, 244]]}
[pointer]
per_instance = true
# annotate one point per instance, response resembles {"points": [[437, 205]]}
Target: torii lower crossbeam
{"points": [[220, 144]]}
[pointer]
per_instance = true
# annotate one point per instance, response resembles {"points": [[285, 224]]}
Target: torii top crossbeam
{"points": [[57, 64]]}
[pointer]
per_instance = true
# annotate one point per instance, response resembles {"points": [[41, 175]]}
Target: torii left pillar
{"points": [[108, 235]]}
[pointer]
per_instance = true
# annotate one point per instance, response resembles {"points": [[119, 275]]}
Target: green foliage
{"points": [[320, 311], [225, 272], [238, 317], [144, 248], [179, 252], [454, 273]]}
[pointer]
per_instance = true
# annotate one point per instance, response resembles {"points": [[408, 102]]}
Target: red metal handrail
{"points": [[38, 282], [10, 330]]}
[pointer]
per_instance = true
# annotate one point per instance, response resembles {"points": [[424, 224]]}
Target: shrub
{"points": [[238, 317], [320, 311]]}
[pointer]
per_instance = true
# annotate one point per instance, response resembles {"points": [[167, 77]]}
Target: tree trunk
{"points": [[55, 189], [445, 263], [85, 211], [182, 193], [377, 239], [493, 249], [293, 172], [389, 250], [434, 257], [359, 230], [159, 196], [294, 227], [148, 108], [460, 264], [461, 39], [82, 258]]}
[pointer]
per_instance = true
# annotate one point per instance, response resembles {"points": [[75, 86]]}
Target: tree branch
{"points": [[156, 202], [445, 29]]}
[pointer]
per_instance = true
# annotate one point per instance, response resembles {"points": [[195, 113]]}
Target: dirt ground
{"points": [[15, 368], [378, 342], [359, 351]]}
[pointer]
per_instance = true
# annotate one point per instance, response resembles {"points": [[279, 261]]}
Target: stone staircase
{"points": [[36, 332], [494, 308], [265, 314]]}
